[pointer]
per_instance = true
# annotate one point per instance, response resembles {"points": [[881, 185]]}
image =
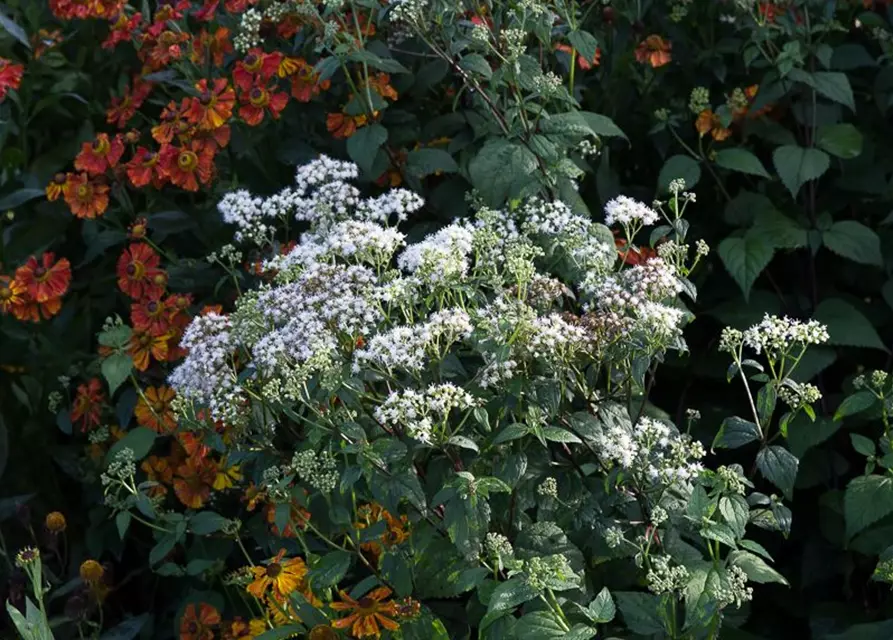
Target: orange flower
{"points": [[158, 470], [367, 613], [342, 126], [198, 623], [381, 84], [57, 185], [29, 310], [709, 122], [280, 575], [241, 630], [210, 46], [122, 29], [214, 105], [139, 275], [159, 51], [123, 108], [305, 82], [633, 255], [100, 155], [582, 62], [10, 76], [138, 229], [144, 168], [397, 530], [85, 197], [12, 293], [255, 67], [153, 409], [45, 279], [208, 11], [655, 51], [173, 122], [192, 482], [255, 103], [143, 344], [87, 406], [188, 165], [297, 517]]}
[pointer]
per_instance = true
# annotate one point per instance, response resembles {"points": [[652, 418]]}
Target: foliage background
{"points": [[799, 225]]}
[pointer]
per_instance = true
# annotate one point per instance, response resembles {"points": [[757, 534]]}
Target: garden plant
{"points": [[433, 319]]}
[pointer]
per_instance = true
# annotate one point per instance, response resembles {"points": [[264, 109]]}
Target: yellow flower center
{"points": [[187, 161]]}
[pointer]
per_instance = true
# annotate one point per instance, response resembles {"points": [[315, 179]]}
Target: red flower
{"points": [[207, 12], [10, 76], [582, 62], [305, 81], [214, 46], [214, 104], [122, 29], [85, 197], [159, 51], [87, 407], [189, 165], [32, 311], [144, 168], [139, 275], [152, 316], [254, 103], [173, 122], [45, 279], [123, 108], [198, 623], [100, 155], [257, 65], [193, 482], [12, 294], [57, 185], [655, 51]]}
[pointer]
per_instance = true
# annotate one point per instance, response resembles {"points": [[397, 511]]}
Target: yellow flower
{"points": [[227, 476], [367, 613], [281, 575], [91, 572], [55, 522]]}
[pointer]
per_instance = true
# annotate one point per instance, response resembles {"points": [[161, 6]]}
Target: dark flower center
{"points": [[152, 306], [274, 569], [59, 178], [131, 269]]}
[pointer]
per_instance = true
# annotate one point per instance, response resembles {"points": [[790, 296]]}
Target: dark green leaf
{"points": [[854, 241], [745, 258], [778, 466], [13, 29], [798, 165], [847, 326], [855, 403], [640, 611], [20, 197], [429, 161], [501, 170], [115, 369], [841, 140], [363, 146], [126, 630], [867, 500], [741, 160], [678, 166], [735, 432], [476, 63], [756, 568], [585, 44], [138, 439], [205, 522]]}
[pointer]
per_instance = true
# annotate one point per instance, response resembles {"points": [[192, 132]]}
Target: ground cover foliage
{"points": [[424, 319]]}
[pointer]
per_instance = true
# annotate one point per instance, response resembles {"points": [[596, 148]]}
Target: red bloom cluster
{"points": [[10, 76], [70, 9], [36, 289]]}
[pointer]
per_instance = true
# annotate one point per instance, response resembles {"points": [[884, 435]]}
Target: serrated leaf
{"points": [[116, 369], [735, 432], [840, 140], [539, 624], [867, 500], [847, 326], [863, 445], [798, 165], [602, 125], [745, 258], [476, 63], [855, 403], [834, 86], [507, 596], [585, 44], [429, 161], [330, 569], [778, 230], [741, 160], [778, 466], [678, 166], [602, 609], [501, 170], [641, 612], [854, 241]]}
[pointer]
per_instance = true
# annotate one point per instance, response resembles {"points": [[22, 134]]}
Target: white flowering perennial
{"points": [[423, 414], [629, 212]]}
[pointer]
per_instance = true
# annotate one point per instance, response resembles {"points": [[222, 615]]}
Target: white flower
{"points": [[625, 211]]}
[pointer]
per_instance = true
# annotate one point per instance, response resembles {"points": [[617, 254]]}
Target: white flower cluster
{"points": [[420, 412], [319, 470], [409, 347], [249, 31], [663, 578], [733, 589], [798, 394], [652, 449], [776, 335], [626, 211], [407, 11], [246, 212], [441, 259]]}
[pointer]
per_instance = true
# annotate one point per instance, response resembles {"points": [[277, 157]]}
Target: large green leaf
{"points": [[640, 611], [841, 140], [678, 166], [867, 500], [755, 567], [745, 258], [425, 162], [115, 369], [847, 327], [741, 160], [585, 44], [778, 466], [854, 241], [139, 440], [363, 146], [501, 169], [798, 165]]}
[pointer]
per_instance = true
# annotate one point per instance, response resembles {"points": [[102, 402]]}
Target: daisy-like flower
{"points": [[144, 168], [122, 29], [709, 122], [188, 165], [227, 476], [240, 629], [192, 482], [152, 316], [10, 76], [123, 108], [12, 293], [138, 272], [214, 46], [160, 51], [214, 104], [582, 62], [153, 409], [368, 614], [87, 405], [173, 122], [198, 622], [305, 81], [100, 155], [259, 100], [280, 575], [655, 51], [343, 126], [381, 84], [45, 279], [256, 66], [87, 198], [143, 346], [29, 310], [57, 185]]}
